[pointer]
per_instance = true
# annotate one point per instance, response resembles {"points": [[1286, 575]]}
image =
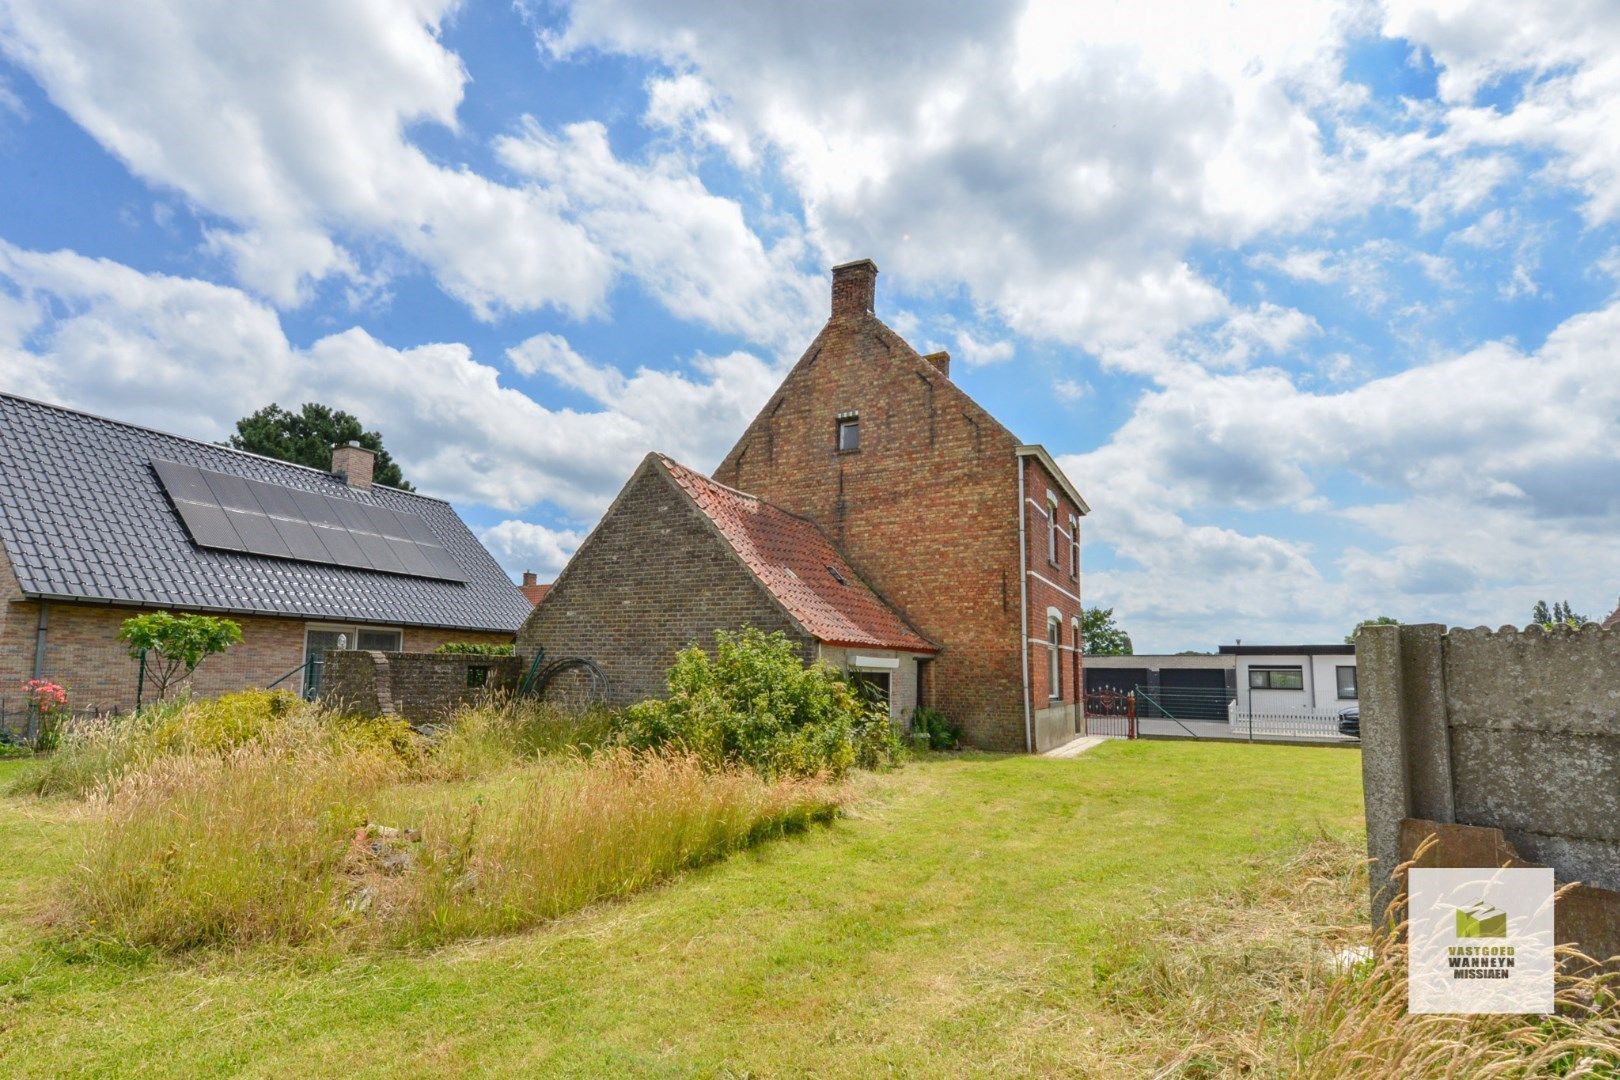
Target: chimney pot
{"points": [[530, 578], [941, 360], [854, 287], [353, 464]]}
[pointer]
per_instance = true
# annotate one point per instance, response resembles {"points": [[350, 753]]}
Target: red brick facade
{"points": [[926, 509], [83, 653]]}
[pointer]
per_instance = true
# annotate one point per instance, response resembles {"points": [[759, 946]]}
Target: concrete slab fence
{"points": [[1468, 731]]}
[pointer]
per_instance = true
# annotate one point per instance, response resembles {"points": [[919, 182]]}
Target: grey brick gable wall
{"points": [[652, 578]]}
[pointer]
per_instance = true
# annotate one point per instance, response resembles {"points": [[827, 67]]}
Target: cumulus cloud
{"points": [[1058, 162], [522, 545], [691, 249], [191, 356], [1476, 455]]}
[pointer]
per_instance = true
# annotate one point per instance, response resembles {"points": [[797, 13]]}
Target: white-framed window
{"points": [[1054, 667], [1276, 678], [328, 637], [848, 432], [1051, 529], [1074, 547], [1345, 676]]}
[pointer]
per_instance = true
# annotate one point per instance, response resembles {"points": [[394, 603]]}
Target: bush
{"points": [[475, 648], [755, 703], [942, 734]]}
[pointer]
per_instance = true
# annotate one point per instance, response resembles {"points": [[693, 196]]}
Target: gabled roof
{"points": [[800, 567], [83, 516], [535, 593]]}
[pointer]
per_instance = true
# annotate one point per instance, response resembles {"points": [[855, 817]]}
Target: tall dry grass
{"points": [[295, 844], [1283, 978]]}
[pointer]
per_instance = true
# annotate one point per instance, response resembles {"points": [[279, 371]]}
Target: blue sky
{"points": [[1316, 302]]}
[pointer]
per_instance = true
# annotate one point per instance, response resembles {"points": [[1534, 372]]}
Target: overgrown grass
{"points": [[271, 843], [1283, 977]]}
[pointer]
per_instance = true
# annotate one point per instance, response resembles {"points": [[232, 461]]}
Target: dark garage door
{"points": [[1194, 693]]}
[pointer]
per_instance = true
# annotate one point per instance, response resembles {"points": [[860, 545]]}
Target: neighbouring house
{"points": [[965, 539], [1613, 620], [1295, 689], [101, 520], [533, 588]]}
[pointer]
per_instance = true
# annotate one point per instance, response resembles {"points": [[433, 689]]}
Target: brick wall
{"points": [[83, 653], [651, 579], [1053, 585], [421, 687], [926, 509]]}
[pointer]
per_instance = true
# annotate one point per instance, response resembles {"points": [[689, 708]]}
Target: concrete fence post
{"points": [[1384, 777]]}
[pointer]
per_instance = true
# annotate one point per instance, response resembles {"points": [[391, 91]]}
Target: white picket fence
{"points": [[1320, 723]]}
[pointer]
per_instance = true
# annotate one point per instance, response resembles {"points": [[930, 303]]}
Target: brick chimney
{"points": [[352, 463], [530, 578], [940, 360], [853, 289]]}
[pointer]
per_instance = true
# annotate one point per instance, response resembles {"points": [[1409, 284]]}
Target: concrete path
{"points": [[1076, 747]]}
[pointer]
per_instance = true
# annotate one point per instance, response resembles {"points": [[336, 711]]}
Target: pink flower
{"points": [[46, 695]]}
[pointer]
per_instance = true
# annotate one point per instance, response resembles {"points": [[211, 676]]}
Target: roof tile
{"points": [[794, 559]]}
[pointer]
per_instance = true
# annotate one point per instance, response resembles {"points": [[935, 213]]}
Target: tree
{"points": [[1560, 614], [1101, 636], [175, 644], [306, 437], [1382, 620]]}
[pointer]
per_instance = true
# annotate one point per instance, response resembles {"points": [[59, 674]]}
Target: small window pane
{"points": [[849, 434], [1289, 678], [379, 641], [1347, 682]]}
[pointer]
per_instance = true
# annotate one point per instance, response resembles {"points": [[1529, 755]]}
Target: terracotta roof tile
{"points": [[798, 564], [535, 593]]}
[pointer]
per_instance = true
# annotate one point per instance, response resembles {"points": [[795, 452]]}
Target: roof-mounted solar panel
{"points": [[232, 513]]}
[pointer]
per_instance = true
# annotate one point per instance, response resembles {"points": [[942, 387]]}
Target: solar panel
{"points": [[233, 513]]}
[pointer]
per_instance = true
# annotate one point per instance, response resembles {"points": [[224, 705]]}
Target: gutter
{"points": [[39, 639], [215, 609], [1023, 607]]}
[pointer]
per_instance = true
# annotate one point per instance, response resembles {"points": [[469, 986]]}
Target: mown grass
{"points": [[1145, 909]]}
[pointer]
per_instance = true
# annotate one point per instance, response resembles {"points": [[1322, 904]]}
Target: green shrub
{"points": [[213, 725], [942, 734], [755, 703], [475, 648]]}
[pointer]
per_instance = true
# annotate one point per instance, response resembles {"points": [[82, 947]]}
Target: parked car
{"points": [[1350, 722]]}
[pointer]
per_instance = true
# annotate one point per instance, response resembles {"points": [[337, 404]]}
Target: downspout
{"points": [[39, 639], [1023, 607]]}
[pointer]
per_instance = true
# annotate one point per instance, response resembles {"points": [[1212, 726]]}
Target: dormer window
{"points": [[849, 432]]}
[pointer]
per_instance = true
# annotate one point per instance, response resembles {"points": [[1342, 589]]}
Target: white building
{"points": [[1280, 678]]}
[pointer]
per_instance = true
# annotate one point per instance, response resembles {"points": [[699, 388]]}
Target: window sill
{"points": [[842, 453]]}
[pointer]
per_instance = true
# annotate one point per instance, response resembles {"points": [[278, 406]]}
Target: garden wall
{"points": [[420, 687], [1509, 730]]}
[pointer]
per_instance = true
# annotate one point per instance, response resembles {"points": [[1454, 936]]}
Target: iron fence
{"points": [[1108, 712]]}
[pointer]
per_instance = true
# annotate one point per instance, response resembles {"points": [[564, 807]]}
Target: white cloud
{"points": [[523, 545], [1566, 54], [1070, 390], [693, 250], [1476, 454], [190, 356], [976, 352], [287, 119]]}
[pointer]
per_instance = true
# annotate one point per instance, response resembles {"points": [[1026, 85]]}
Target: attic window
{"points": [[849, 432], [836, 576]]}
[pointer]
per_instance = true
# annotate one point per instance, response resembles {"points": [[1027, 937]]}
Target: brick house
{"points": [[100, 520], [678, 557], [969, 536]]}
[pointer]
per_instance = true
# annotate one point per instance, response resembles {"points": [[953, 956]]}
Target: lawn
{"points": [[971, 915]]}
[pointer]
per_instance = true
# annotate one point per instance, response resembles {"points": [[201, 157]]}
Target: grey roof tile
{"points": [[82, 515]]}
